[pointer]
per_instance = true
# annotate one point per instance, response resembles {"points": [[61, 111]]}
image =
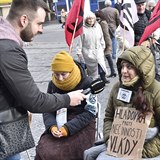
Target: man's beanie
{"points": [[62, 62], [139, 1]]}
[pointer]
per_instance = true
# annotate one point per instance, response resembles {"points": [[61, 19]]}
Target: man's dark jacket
{"points": [[17, 87]]}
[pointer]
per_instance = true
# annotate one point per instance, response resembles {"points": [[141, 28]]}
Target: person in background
{"points": [[90, 47], [151, 5], [63, 17], [112, 18], [144, 16], [18, 91], [68, 140], [122, 43], [136, 71], [139, 27], [108, 43], [118, 5]]}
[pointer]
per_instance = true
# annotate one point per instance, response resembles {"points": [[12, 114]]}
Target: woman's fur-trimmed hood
{"points": [[143, 60]]}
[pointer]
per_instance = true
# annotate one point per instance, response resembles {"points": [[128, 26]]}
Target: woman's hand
{"points": [[62, 132], [56, 134]]}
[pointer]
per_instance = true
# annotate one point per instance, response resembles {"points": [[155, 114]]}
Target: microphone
{"points": [[96, 87]]}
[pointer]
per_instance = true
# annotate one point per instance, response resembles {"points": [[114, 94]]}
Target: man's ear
{"points": [[24, 21]]}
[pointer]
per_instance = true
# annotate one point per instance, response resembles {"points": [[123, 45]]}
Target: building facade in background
{"points": [[57, 5]]}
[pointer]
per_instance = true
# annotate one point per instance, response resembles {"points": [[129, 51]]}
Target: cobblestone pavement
{"points": [[40, 53]]}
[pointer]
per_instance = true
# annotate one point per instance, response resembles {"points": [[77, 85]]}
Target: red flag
{"points": [[153, 24], [75, 14]]}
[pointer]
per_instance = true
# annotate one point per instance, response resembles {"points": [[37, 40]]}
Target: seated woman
{"points": [[136, 70], [68, 132]]}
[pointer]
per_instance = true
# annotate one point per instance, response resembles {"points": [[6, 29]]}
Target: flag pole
{"points": [[123, 38], [123, 32], [74, 31]]}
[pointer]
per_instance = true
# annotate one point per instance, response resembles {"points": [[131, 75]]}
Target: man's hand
{"points": [[76, 97]]}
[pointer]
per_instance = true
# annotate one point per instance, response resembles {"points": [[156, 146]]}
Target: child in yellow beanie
{"points": [[68, 140]]}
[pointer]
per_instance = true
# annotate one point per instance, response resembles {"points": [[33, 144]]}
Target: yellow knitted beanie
{"points": [[62, 62]]}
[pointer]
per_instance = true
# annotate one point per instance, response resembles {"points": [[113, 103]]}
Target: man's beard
{"points": [[27, 34]]}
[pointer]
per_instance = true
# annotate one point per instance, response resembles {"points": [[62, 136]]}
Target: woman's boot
{"points": [[110, 63]]}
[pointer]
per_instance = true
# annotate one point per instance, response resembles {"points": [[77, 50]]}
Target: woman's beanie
{"points": [[62, 62]]}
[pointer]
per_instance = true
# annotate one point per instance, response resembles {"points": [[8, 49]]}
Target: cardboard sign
{"points": [[128, 133]]}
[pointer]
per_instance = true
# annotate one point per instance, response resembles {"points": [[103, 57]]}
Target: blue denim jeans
{"points": [[14, 157], [114, 47]]}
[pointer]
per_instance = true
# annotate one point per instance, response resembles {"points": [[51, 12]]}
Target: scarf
{"points": [[132, 82], [70, 82]]}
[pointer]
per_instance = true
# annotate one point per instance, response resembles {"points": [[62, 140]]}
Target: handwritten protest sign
{"points": [[128, 133]]}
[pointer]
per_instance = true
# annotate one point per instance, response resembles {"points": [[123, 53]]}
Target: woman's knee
{"points": [[87, 155], [93, 152]]}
